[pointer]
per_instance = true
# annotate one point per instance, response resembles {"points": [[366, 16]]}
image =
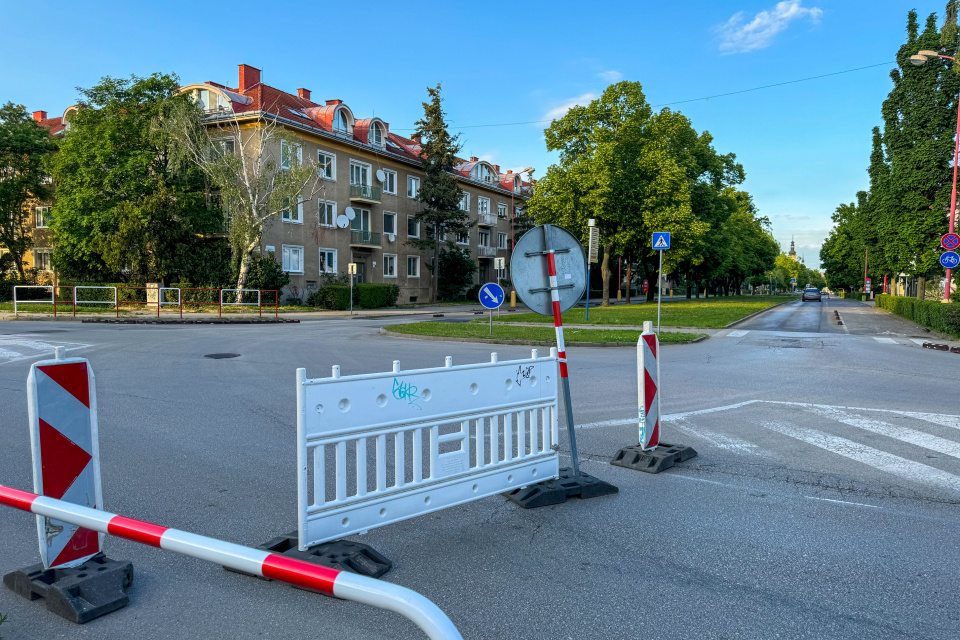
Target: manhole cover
{"points": [[221, 356]]}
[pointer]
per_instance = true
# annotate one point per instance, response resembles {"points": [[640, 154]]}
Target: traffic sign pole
{"points": [[659, 292], [661, 243]]}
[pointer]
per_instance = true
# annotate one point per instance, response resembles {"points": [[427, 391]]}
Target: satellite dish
{"points": [[342, 221], [380, 175], [350, 213], [528, 269]]}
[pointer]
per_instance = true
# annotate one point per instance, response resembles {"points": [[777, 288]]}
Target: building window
{"points": [[341, 123], [327, 165], [413, 227], [43, 217], [413, 187], [376, 135], [463, 237], [359, 173], [484, 239], [292, 214], [389, 181], [465, 202], [389, 222], [41, 259], [413, 266], [292, 259], [328, 260], [502, 211], [221, 147], [291, 155], [328, 213], [483, 206], [501, 241], [389, 265]]}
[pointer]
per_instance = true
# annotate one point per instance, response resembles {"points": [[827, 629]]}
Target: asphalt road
{"points": [[822, 504]]}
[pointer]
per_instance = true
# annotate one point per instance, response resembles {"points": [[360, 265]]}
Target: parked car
{"points": [[811, 293]]}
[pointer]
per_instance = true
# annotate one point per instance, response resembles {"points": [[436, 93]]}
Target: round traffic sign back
{"points": [[528, 269], [950, 259], [950, 241]]}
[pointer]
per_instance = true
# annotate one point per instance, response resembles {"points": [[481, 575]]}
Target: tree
{"points": [[24, 147], [255, 172], [619, 164], [440, 192], [123, 212], [457, 269]]}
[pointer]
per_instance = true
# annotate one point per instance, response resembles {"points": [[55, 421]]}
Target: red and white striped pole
{"points": [[648, 386], [561, 348], [339, 584]]}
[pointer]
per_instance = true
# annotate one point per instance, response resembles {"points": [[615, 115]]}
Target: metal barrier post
{"points": [[339, 584], [220, 308], [74, 301]]}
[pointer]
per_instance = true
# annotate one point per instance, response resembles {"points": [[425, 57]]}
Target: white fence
{"points": [[404, 443], [112, 303], [16, 301], [241, 292]]}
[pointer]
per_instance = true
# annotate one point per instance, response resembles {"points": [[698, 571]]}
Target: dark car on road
{"points": [[811, 293]]}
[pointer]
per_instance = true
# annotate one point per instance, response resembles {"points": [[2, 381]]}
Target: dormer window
{"points": [[341, 121], [516, 184], [209, 100], [376, 135]]}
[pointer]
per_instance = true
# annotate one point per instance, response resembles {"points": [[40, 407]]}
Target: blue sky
{"points": [[804, 146]]}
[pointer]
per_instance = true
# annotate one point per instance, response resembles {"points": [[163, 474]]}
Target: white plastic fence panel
{"points": [[16, 301], [375, 449]]}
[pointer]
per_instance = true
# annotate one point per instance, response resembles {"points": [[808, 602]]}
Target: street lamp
{"points": [[919, 59]]}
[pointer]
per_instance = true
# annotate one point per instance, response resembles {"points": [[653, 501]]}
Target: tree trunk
{"points": [[605, 274], [245, 269], [629, 278], [436, 263], [922, 288], [18, 259]]}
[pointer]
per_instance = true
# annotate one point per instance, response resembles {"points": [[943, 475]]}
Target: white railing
{"points": [[241, 292], [52, 299], [487, 252], [112, 303], [400, 444]]}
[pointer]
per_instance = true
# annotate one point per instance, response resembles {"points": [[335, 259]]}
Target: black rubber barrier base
{"points": [[653, 460], [343, 555], [209, 321], [560, 490], [80, 594]]}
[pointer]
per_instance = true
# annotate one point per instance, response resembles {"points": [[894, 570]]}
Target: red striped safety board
{"points": [[648, 389], [61, 399]]}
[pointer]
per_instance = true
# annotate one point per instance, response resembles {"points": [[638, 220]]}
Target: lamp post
{"points": [[513, 213], [919, 59]]}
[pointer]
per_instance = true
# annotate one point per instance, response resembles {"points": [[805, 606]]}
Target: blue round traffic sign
{"points": [[950, 241], [950, 259], [491, 295]]}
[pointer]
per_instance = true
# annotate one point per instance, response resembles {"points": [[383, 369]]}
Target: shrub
{"points": [[456, 273], [267, 273], [938, 316], [377, 296], [333, 296]]}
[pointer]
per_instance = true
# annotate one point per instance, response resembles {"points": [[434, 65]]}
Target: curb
{"points": [[535, 343]]}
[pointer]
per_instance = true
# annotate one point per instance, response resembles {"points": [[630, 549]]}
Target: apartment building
{"points": [[373, 177]]}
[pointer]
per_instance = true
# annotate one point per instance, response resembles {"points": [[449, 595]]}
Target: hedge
{"points": [[365, 296], [377, 296], [938, 316], [333, 296]]}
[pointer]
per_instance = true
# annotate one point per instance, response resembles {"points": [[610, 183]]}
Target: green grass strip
{"points": [[542, 334]]}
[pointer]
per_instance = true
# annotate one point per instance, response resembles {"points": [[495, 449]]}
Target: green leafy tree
{"points": [[122, 211], [440, 193], [24, 147], [457, 269]]}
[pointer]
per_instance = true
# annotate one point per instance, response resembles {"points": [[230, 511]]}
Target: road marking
{"points": [[25, 345], [897, 432], [885, 340], [719, 440], [919, 341], [607, 423], [739, 333], [857, 504], [700, 412], [942, 419], [880, 460], [4, 354]]}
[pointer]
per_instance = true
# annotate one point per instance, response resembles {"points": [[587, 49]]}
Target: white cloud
{"points": [[740, 36], [610, 76], [560, 110]]}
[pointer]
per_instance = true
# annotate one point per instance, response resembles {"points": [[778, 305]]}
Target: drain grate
{"points": [[221, 356]]}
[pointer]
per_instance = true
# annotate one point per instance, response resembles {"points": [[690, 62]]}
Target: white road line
{"points": [[897, 432], [607, 423], [739, 333], [687, 414], [719, 440], [857, 504], [4, 354], [942, 419], [880, 460], [919, 341], [885, 340]]}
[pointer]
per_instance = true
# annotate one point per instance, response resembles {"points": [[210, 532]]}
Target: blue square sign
{"points": [[661, 240]]}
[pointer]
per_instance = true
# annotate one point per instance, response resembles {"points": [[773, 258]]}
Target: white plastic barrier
{"points": [[405, 443], [52, 299]]}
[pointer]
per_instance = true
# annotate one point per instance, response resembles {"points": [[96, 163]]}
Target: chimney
{"points": [[509, 171], [249, 77], [304, 93], [474, 158], [330, 103], [496, 167], [39, 115]]}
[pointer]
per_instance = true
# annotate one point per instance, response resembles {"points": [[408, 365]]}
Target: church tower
{"points": [[792, 254]]}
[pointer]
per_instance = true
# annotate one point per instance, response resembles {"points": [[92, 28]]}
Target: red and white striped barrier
{"points": [[648, 386], [339, 584]]}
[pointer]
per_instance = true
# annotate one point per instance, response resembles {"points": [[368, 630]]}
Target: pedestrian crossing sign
{"points": [[661, 240]]}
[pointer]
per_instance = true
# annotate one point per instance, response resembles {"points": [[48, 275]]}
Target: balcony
{"points": [[487, 220], [486, 252], [365, 193], [366, 239]]}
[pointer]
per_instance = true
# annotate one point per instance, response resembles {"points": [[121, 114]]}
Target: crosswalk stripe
{"points": [[897, 432], [880, 460], [5, 354], [918, 340], [942, 419], [885, 340], [738, 333], [719, 440]]}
